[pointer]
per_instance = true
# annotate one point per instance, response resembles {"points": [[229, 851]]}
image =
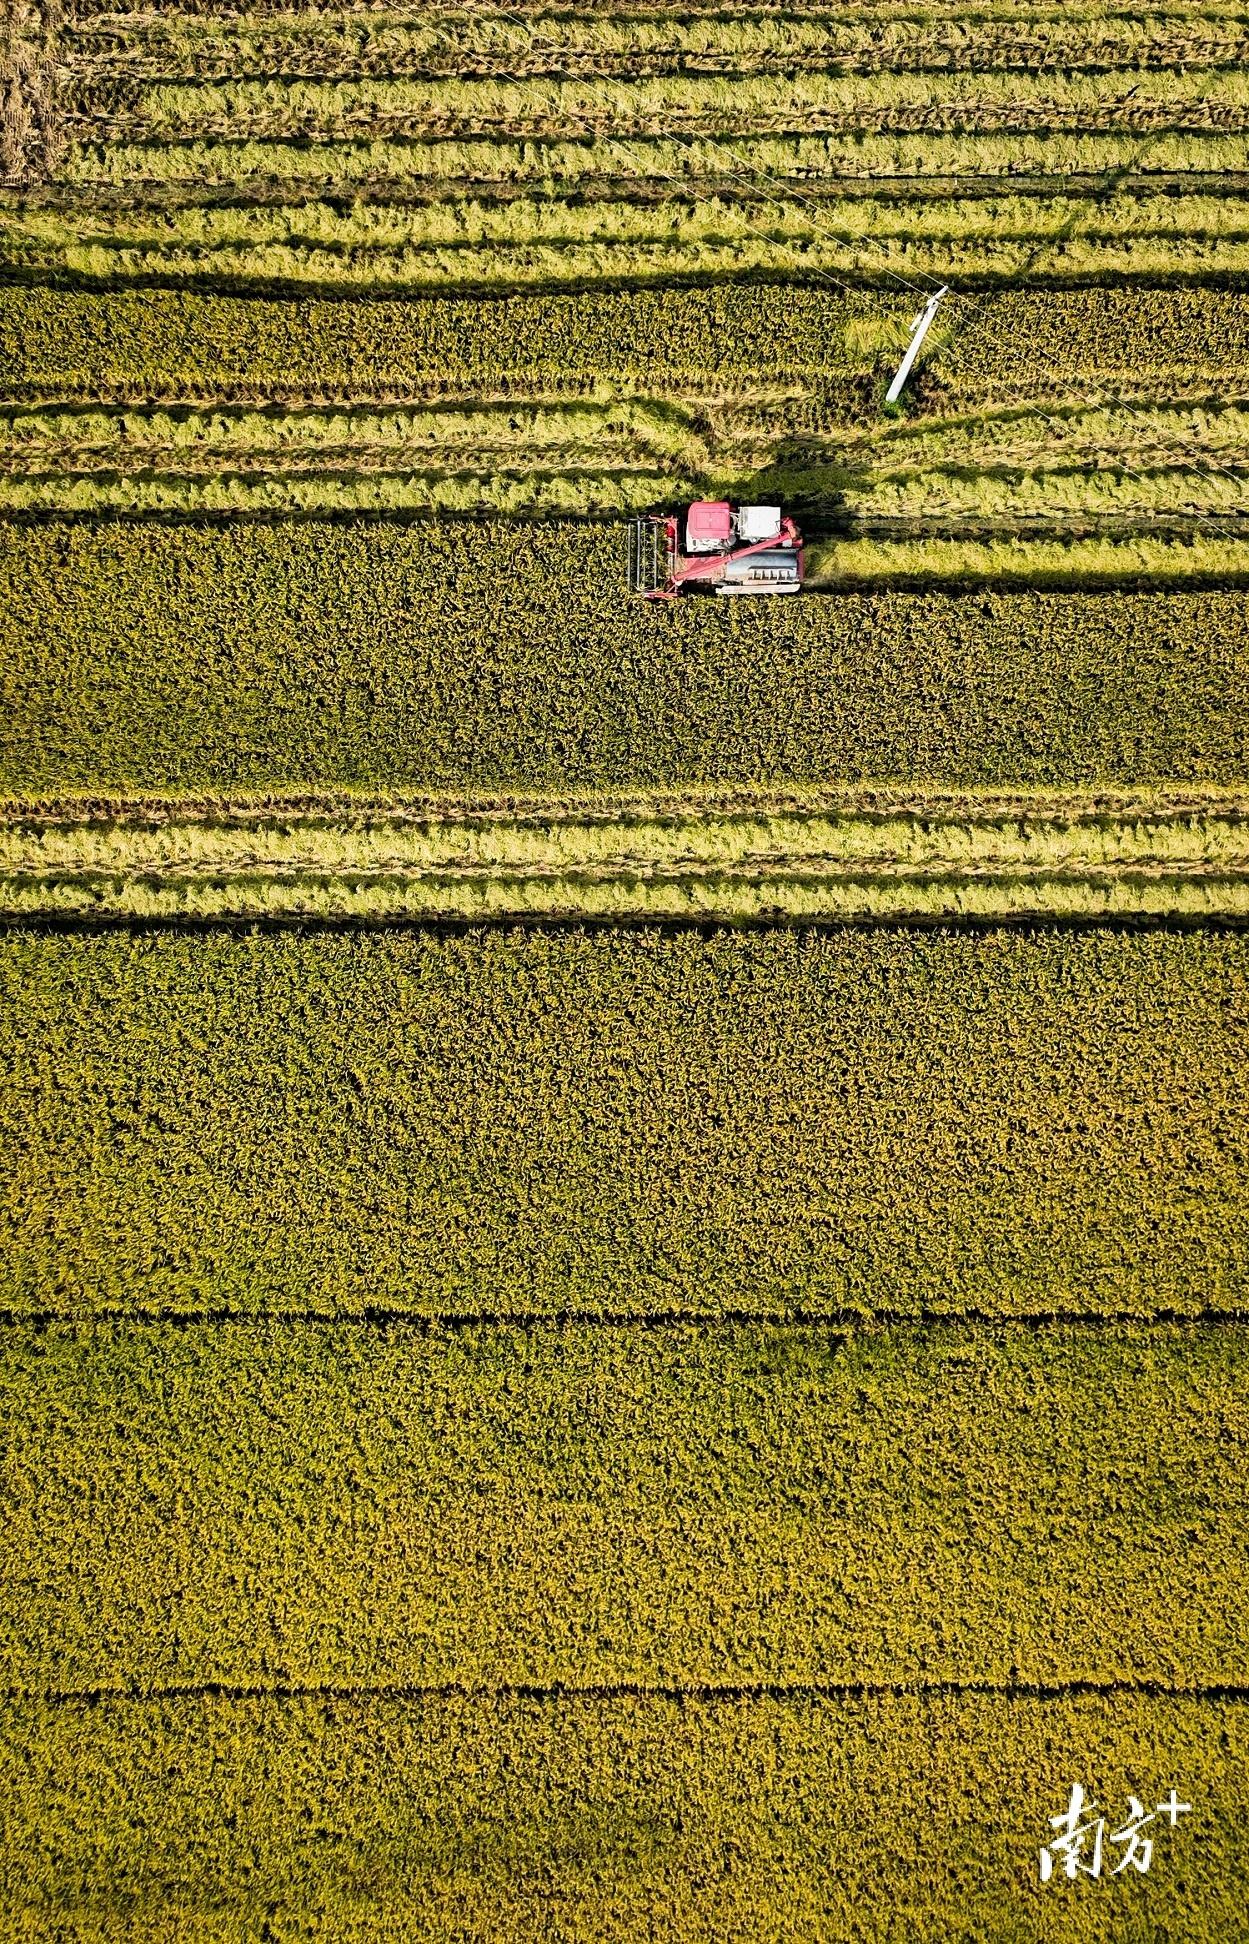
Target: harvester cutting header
{"points": [[728, 549]]}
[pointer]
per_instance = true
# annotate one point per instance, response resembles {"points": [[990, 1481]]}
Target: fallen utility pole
{"points": [[919, 331]]}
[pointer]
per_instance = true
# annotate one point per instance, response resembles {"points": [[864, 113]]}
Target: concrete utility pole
{"points": [[919, 332]]}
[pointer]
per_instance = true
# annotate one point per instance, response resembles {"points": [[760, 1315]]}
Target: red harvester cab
{"points": [[731, 549]]}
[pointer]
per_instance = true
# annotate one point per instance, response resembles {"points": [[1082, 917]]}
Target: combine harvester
{"points": [[736, 549], [731, 549]]}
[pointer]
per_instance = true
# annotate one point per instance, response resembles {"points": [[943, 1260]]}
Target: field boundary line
{"points": [[831, 1323], [698, 1692]]}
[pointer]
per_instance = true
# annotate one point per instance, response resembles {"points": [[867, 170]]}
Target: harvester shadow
{"points": [[808, 481]]}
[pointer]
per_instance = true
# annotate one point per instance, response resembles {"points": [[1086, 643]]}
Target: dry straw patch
{"points": [[30, 132]]}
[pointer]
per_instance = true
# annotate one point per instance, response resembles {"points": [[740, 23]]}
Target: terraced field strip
{"points": [[704, 1817], [486, 656], [696, 136], [597, 1507], [629, 1123], [761, 859]]}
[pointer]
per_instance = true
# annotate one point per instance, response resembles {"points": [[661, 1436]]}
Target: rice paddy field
{"points": [[624, 1227]]}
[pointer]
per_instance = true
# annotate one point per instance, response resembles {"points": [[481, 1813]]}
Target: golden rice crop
{"points": [[704, 1817], [625, 1123], [595, 1507], [480, 655], [1034, 344]]}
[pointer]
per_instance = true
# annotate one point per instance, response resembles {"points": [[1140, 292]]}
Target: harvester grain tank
{"points": [[715, 547]]}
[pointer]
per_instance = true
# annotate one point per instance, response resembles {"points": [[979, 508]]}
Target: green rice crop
{"points": [[483, 655], [1088, 345], [893, 1816], [526, 1416], [624, 1123]]}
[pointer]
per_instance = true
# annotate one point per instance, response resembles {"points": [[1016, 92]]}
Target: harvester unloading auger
{"points": [[729, 549], [736, 549]]}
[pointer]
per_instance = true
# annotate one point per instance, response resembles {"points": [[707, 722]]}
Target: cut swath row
{"points": [[352, 46], [741, 210], [84, 202], [89, 17], [452, 163], [275, 268], [1104, 470], [1136, 430], [1194, 100], [828, 863]]}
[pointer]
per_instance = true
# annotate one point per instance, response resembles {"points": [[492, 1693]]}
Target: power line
{"points": [[754, 176]]}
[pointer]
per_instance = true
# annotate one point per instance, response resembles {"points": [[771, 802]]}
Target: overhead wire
{"points": [[1202, 463], [753, 177]]}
